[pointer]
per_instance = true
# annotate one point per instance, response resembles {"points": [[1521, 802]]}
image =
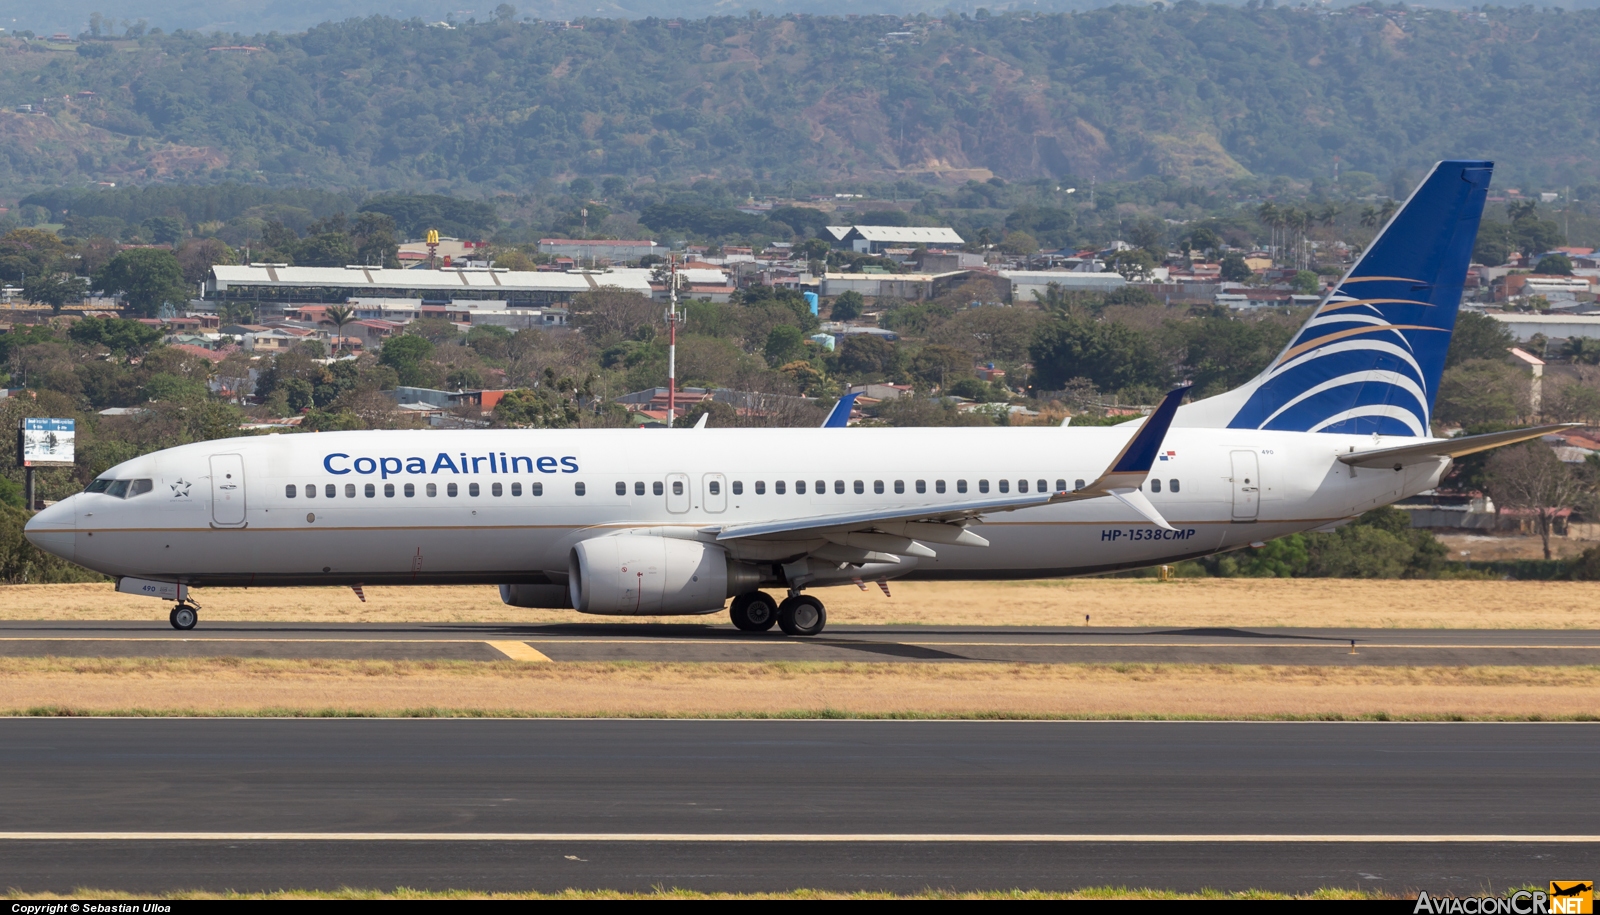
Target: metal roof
{"points": [[631, 279], [912, 235]]}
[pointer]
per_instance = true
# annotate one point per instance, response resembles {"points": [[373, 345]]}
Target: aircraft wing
{"points": [[944, 522], [1447, 447]]}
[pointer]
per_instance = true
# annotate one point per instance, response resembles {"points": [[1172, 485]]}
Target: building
{"points": [[1026, 283], [594, 250], [276, 283], [910, 286], [876, 239], [1524, 327]]}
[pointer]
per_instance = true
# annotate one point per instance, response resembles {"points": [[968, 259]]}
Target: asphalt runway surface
{"points": [[619, 641], [149, 805]]}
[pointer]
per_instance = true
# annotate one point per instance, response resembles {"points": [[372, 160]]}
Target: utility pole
{"points": [[672, 339]]}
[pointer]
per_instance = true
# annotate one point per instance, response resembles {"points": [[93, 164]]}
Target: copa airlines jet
{"points": [[627, 522]]}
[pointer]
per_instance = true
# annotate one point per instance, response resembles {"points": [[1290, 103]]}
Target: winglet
{"points": [[1137, 457], [839, 416]]}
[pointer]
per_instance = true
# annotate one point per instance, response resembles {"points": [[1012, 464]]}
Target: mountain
{"points": [[1199, 93]]}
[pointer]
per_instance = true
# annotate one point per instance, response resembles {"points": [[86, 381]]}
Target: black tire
{"points": [[802, 615], [183, 617], [754, 611]]}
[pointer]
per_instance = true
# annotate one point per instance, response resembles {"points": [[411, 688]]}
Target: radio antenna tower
{"points": [[672, 338]]}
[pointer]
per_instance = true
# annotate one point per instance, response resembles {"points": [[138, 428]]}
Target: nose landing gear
{"points": [[184, 615]]}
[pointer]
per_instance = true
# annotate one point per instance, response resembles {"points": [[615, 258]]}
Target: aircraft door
{"points": [[1246, 481], [227, 490], [677, 492], [716, 495]]}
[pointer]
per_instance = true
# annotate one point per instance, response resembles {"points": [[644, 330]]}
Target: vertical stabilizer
{"points": [[1370, 357]]}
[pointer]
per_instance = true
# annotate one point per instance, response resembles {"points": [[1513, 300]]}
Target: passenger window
{"points": [[330, 491], [291, 491], [1044, 486], [433, 490], [983, 486], [799, 487], [778, 488], [638, 488], [938, 486], [922, 486], [899, 486], [411, 490], [654, 487], [371, 491], [1022, 486], [1173, 485], [1005, 485], [738, 487], [580, 490], [451, 490], [538, 488], [1155, 485], [877, 487], [516, 489], [495, 489], [311, 490], [349, 490], [961, 486], [761, 487], [677, 487], [1077, 485], [622, 488], [472, 490], [822, 488], [860, 488], [715, 488], [388, 490], [838, 487]]}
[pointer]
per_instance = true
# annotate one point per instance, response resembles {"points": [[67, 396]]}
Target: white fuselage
{"points": [[382, 512]]}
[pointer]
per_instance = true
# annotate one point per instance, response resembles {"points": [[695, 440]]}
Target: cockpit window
{"points": [[122, 489]]}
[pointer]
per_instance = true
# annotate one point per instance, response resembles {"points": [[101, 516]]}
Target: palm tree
{"points": [[1269, 216], [1369, 216], [1387, 211], [1329, 214], [340, 315]]}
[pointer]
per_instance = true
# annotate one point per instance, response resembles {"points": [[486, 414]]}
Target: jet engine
{"points": [[642, 574], [547, 597]]}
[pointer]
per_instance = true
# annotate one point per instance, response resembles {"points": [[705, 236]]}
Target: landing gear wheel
{"points": [[753, 611], [802, 615], [183, 617]]}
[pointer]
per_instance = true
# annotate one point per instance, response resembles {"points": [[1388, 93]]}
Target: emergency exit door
{"points": [[677, 492], [227, 490], [1246, 486]]}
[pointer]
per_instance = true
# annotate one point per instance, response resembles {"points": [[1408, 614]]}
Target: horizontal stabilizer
{"points": [[1448, 447]]}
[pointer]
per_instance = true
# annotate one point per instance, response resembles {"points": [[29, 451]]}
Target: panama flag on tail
{"points": [[1369, 359]]}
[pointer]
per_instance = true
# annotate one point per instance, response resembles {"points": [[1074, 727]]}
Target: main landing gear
{"points": [[800, 614], [184, 615]]}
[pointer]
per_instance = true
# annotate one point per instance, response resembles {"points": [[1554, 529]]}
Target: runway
{"points": [[767, 805], [620, 641]]}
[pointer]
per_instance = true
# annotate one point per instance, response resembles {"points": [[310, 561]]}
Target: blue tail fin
{"points": [[839, 416], [1370, 357]]}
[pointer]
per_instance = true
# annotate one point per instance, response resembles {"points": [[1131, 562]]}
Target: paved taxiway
{"points": [[896, 805], [604, 641]]}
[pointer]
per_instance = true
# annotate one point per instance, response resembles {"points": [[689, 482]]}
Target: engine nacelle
{"points": [[633, 574], [537, 597]]}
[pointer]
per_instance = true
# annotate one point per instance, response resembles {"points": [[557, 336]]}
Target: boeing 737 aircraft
{"points": [[629, 522]]}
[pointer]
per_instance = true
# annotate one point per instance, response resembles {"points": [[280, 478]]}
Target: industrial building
{"points": [[267, 284], [611, 250], [877, 239]]}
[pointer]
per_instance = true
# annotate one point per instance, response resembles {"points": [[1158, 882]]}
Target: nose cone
{"points": [[54, 529]]}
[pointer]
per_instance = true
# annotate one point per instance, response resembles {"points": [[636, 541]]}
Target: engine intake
{"points": [[631, 574]]}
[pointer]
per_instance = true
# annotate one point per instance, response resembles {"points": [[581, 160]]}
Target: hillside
{"points": [[1202, 93]]}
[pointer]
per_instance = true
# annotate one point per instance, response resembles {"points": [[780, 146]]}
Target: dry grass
{"points": [[1108, 602], [219, 686]]}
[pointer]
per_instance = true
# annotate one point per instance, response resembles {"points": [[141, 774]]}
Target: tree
{"points": [[1112, 356], [865, 356], [848, 306], [1477, 336], [1531, 480], [1480, 391], [1020, 244], [935, 366], [1234, 269], [1555, 265], [505, 12], [198, 257], [24, 252], [340, 315], [609, 314], [54, 289], [1133, 264], [122, 337], [1307, 283], [784, 344], [407, 355], [146, 278]]}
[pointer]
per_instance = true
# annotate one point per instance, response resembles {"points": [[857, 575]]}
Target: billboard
{"points": [[46, 442]]}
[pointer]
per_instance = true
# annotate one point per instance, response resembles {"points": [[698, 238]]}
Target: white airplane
{"points": [[628, 522]]}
